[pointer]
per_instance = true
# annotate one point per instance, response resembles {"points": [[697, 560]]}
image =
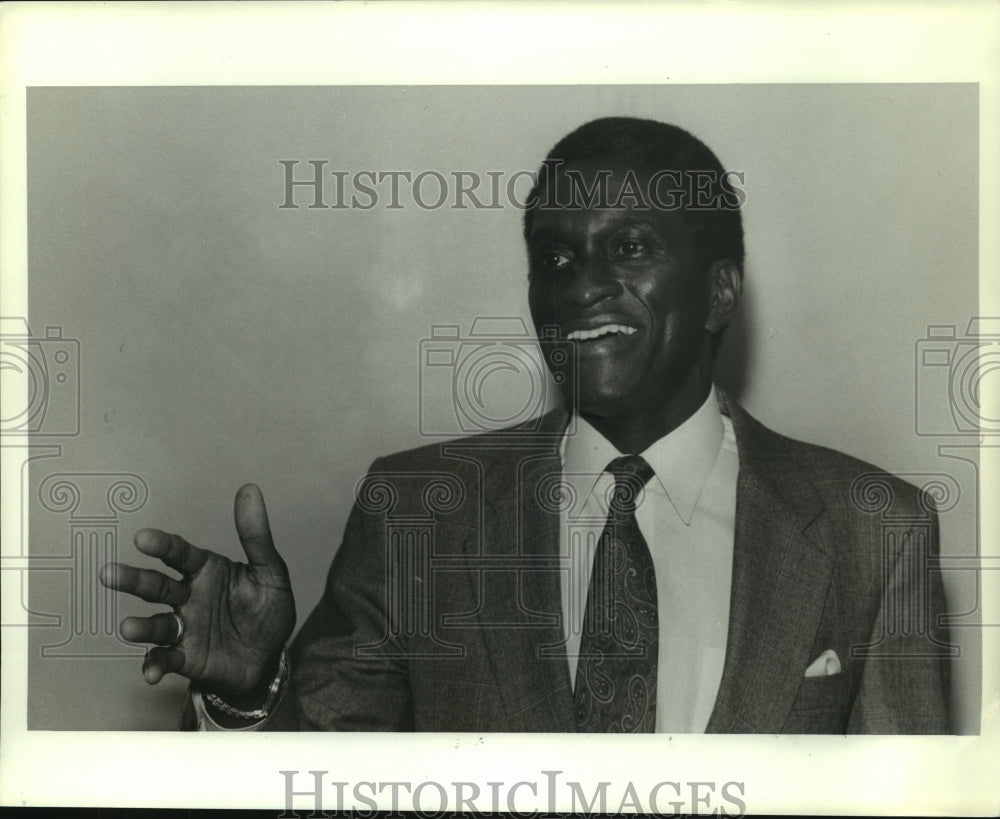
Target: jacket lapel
{"points": [[781, 574], [521, 611]]}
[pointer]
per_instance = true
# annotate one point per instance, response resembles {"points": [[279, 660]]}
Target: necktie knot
{"points": [[631, 474]]}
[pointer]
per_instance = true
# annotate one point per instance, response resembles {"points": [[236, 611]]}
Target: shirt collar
{"points": [[682, 459]]}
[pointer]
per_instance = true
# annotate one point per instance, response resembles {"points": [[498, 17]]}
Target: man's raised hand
{"points": [[233, 618]]}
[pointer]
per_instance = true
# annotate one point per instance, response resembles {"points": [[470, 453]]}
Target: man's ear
{"points": [[726, 281]]}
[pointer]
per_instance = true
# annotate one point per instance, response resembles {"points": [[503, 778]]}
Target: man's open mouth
{"points": [[601, 332]]}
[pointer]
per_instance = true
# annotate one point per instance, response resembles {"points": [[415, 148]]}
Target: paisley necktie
{"points": [[616, 672]]}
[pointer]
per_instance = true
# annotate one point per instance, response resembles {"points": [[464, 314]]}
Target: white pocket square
{"points": [[824, 665]]}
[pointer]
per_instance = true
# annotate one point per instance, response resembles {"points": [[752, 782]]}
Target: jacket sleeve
{"points": [[348, 671], [904, 685]]}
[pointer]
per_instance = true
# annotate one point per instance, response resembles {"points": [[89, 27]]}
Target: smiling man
{"points": [[646, 558]]}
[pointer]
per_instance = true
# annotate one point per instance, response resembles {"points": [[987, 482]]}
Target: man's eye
{"points": [[550, 260], [630, 249]]}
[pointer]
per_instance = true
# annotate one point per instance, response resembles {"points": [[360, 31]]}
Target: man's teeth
{"points": [[607, 329]]}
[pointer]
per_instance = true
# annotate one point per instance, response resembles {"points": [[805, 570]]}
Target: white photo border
{"points": [[62, 44]]}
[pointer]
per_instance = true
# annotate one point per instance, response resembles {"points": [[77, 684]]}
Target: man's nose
{"points": [[592, 282]]}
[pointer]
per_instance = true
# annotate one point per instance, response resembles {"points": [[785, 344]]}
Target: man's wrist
{"points": [[232, 710]]}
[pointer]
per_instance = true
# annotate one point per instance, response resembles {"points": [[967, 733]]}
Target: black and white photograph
{"points": [[456, 415]]}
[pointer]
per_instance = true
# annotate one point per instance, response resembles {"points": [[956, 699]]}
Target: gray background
{"points": [[225, 340]]}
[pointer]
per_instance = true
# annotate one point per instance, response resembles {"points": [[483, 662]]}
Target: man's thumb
{"points": [[252, 526]]}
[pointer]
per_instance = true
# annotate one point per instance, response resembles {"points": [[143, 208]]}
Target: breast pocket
{"points": [[822, 706]]}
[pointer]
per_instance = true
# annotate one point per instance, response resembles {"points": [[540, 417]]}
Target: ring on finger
{"points": [[180, 628]]}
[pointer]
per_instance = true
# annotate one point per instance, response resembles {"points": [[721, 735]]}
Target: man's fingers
{"points": [[160, 629], [146, 584], [173, 550], [253, 528], [160, 661]]}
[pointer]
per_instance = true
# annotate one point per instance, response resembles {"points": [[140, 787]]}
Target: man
{"points": [[647, 558]]}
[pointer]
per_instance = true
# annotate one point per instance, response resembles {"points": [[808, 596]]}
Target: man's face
{"points": [[622, 283]]}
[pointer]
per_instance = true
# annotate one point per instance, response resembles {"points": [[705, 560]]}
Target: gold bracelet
{"points": [[273, 693]]}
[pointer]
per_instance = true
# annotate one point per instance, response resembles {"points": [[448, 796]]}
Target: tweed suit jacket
{"points": [[442, 609]]}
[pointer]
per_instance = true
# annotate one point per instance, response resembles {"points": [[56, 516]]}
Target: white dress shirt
{"points": [[687, 516]]}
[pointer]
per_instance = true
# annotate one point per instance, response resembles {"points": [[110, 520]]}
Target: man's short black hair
{"points": [[717, 232]]}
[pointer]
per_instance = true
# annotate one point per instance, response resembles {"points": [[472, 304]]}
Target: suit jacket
{"points": [[442, 607]]}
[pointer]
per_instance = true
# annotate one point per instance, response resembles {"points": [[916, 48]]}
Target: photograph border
{"points": [[303, 44]]}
